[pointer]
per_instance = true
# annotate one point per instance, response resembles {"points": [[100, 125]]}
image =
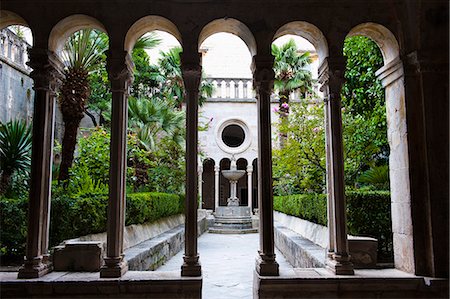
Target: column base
{"points": [[343, 267], [34, 269], [113, 270], [191, 266], [267, 266]]}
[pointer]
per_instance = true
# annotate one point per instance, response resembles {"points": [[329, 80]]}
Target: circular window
{"points": [[233, 135]]}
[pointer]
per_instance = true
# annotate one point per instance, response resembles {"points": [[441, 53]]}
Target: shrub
{"points": [[74, 216], [368, 214], [13, 223]]}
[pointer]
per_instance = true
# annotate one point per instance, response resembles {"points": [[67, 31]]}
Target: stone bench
{"points": [[299, 251]]}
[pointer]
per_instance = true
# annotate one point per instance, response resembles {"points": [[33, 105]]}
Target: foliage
{"points": [[152, 119], [368, 214], [13, 222], [290, 72], [364, 113], [83, 214], [93, 157], [311, 207], [299, 166], [376, 177], [15, 152]]}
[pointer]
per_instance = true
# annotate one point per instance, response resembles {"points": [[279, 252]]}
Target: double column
{"points": [[332, 77], [263, 78], [191, 70], [47, 75], [120, 72]]}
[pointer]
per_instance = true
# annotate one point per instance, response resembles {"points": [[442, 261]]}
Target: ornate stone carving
{"points": [[120, 70], [263, 75], [331, 77], [47, 69]]}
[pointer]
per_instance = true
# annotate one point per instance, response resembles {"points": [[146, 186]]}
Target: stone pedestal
{"points": [[233, 220]]}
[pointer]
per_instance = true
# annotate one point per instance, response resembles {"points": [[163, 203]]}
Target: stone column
{"points": [[120, 74], [340, 259], [200, 185], [249, 185], [216, 186], [47, 73], [323, 79], [191, 69], [263, 77]]}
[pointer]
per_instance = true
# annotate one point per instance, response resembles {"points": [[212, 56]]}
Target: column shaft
{"points": [[191, 75], [263, 77], [340, 264], [249, 186], [46, 75], [200, 186], [216, 186], [120, 74]]}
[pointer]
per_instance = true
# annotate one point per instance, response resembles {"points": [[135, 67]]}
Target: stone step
{"points": [[215, 230]]}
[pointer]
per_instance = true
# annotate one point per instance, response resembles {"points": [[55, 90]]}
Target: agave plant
{"points": [[15, 151]]}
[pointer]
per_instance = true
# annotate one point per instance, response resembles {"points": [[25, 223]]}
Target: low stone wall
{"points": [[303, 243], [146, 246], [316, 233], [151, 254], [299, 251]]}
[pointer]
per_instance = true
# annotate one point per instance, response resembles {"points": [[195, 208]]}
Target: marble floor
{"points": [[227, 263]]}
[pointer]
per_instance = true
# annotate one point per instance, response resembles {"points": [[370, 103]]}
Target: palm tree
{"points": [[152, 119], [172, 85], [15, 151], [84, 52], [290, 73]]}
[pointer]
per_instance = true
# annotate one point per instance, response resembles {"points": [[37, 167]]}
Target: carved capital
{"points": [[331, 77], [192, 71], [120, 70], [47, 68], [263, 74]]}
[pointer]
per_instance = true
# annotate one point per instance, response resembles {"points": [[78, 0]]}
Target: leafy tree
{"points": [[15, 152], [290, 72], [364, 113]]}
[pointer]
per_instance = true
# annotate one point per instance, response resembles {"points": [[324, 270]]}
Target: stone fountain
{"points": [[233, 219]]}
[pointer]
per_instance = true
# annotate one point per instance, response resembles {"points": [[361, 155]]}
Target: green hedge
{"points": [[74, 217], [368, 214]]}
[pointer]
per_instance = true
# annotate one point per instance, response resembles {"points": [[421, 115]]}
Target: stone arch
{"points": [[67, 26], [8, 18], [382, 36], [232, 26], [147, 24], [392, 79], [309, 32]]}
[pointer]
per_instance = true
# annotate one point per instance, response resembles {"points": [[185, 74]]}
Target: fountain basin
{"points": [[233, 175]]}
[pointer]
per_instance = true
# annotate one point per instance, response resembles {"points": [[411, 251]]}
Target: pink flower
{"points": [[285, 106], [275, 109], [317, 129]]}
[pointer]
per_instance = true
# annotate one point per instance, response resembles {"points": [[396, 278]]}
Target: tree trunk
{"points": [[5, 182], [92, 117], [68, 148], [284, 113]]}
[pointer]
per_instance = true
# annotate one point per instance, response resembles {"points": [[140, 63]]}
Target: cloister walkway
{"points": [[227, 263]]}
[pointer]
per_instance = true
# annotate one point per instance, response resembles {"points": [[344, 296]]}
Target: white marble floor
{"points": [[227, 263]]}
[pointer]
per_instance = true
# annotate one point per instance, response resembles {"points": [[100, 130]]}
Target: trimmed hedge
{"points": [[368, 214], [73, 217]]}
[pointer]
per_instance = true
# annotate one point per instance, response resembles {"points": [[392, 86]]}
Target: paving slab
{"points": [[227, 263]]}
